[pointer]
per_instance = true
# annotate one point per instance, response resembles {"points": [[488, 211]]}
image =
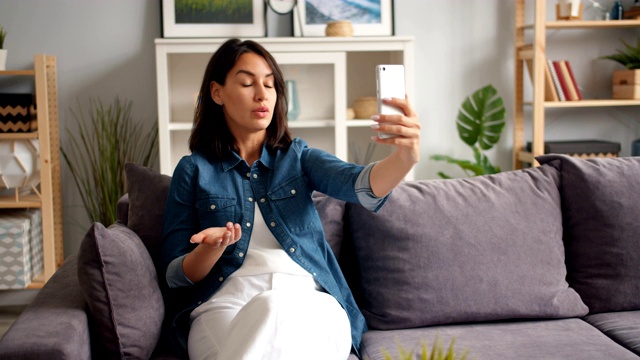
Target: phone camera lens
{"points": [[384, 68]]}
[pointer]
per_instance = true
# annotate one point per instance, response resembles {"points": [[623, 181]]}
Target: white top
{"points": [[265, 255]]}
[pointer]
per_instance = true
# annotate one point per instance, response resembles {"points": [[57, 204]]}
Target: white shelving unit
{"points": [[330, 74]]}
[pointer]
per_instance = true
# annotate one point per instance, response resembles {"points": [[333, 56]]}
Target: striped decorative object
{"points": [[17, 113]]}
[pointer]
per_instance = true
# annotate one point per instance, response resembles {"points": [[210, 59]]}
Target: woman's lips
{"points": [[262, 111]]}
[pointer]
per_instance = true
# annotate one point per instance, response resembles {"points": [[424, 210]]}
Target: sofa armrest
{"points": [[55, 325]]}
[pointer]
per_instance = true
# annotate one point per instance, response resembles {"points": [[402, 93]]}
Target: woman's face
{"points": [[248, 97]]}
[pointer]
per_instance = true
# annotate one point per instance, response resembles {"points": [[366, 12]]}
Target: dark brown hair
{"points": [[210, 134]]}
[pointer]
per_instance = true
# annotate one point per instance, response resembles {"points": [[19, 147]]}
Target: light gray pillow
{"points": [[464, 250], [601, 209], [118, 279]]}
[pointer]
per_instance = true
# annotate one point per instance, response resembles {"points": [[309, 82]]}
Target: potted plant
{"points": [[96, 156], [626, 83], [3, 51], [480, 122]]}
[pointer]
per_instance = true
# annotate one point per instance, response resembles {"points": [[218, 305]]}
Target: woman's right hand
{"points": [[218, 237], [212, 242]]}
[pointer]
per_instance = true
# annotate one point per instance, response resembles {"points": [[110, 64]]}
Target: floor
{"points": [[12, 302]]}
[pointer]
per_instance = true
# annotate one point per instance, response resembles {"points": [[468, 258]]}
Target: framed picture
{"points": [[368, 17], [204, 18]]}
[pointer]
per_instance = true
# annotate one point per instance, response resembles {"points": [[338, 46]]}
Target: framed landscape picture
{"points": [[368, 17], [206, 18]]}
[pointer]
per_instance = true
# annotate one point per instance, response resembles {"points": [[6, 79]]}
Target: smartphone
{"points": [[389, 83]]}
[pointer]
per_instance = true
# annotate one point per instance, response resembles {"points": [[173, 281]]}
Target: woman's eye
{"points": [[246, 85]]}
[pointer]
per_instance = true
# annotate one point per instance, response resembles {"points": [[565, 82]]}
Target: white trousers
{"points": [[270, 316]]}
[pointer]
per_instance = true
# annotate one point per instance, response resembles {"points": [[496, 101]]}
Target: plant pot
{"points": [[3, 59], [626, 84]]}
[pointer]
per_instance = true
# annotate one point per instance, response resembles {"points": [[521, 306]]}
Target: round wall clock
{"points": [[282, 7]]}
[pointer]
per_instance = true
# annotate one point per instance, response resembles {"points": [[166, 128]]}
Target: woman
{"points": [[243, 248]]}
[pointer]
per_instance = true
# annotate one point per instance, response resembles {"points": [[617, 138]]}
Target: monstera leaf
{"points": [[481, 118], [480, 122]]}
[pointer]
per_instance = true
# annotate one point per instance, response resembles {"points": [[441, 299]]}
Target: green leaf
{"points": [[481, 118]]}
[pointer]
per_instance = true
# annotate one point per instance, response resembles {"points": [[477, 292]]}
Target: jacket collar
{"points": [[267, 158]]}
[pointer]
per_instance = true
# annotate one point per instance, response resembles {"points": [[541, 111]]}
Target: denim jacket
{"points": [[205, 193]]}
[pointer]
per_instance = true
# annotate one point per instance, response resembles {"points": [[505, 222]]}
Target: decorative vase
{"points": [[19, 163], [293, 109], [3, 59]]}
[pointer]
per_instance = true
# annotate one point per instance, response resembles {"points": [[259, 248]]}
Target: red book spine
{"points": [[562, 80], [573, 79]]}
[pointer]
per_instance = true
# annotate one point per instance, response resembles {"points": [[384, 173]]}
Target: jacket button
{"points": [[293, 191], [255, 176], [248, 224], [292, 250], [273, 224], [220, 278], [250, 199], [241, 254]]}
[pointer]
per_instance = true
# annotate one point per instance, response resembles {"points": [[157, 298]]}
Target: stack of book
{"points": [[560, 83]]}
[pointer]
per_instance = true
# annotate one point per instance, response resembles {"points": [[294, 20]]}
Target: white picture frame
{"points": [[251, 24], [373, 25]]}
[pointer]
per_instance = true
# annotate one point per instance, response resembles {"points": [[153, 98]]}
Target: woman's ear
{"points": [[215, 91]]}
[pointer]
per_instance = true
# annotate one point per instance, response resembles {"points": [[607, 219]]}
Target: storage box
{"points": [[626, 84], [17, 113], [581, 148], [15, 253], [35, 236]]}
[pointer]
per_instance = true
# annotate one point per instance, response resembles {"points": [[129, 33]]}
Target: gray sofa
{"points": [[541, 263]]}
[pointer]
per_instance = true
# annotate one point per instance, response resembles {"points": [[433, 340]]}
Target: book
{"points": [[564, 84], [573, 80], [556, 81], [563, 73], [550, 93]]}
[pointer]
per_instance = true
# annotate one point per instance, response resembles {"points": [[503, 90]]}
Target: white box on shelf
{"points": [[35, 237], [15, 252]]}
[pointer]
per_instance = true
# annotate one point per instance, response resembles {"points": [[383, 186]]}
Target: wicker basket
{"points": [[339, 28], [365, 107]]}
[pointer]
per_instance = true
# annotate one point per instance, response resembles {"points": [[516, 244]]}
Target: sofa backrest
{"points": [[601, 212]]}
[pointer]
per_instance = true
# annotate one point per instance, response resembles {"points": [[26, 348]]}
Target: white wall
{"points": [[105, 49]]}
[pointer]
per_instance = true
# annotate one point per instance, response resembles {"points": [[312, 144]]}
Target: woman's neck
{"points": [[250, 148]]}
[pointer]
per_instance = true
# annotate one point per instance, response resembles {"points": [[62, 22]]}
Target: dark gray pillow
{"points": [[119, 282], [331, 213], [463, 250], [601, 209], [148, 191]]}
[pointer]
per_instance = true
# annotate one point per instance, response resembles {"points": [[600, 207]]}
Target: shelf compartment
{"points": [[589, 103]]}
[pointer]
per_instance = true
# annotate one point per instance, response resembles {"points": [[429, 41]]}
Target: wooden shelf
{"points": [[588, 103], [18, 72], [534, 53], [586, 24], [18, 136], [49, 195]]}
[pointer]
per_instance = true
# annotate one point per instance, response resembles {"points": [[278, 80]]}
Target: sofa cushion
{"points": [[601, 207], [564, 339], [621, 326], [148, 192], [461, 250], [118, 279], [331, 213]]}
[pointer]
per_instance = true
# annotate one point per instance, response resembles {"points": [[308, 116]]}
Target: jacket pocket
{"points": [[294, 204], [216, 211]]}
